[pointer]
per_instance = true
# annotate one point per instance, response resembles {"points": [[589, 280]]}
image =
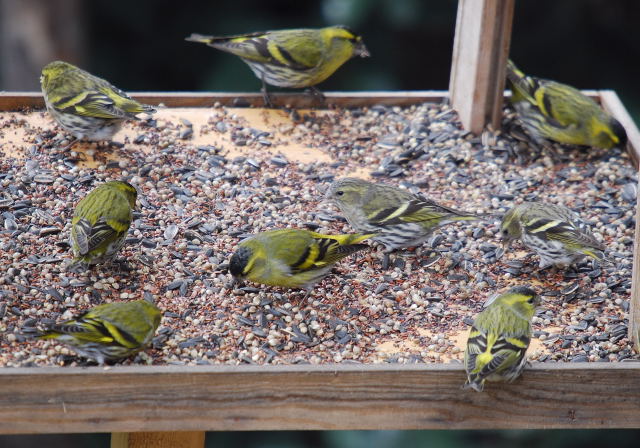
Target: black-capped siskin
{"points": [[499, 338], [398, 218], [558, 112], [554, 232], [100, 223], [291, 258], [84, 105], [297, 58], [108, 332]]}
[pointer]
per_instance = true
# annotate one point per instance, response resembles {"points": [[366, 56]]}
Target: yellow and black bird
{"points": [[292, 258], [558, 112], [499, 338], [297, 58]]}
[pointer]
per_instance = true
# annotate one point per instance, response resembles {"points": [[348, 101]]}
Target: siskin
{"points": [[499, 338], [108, 332], [291, 58], [554, 232], [100, 223], [84, 105], [554, 111], [399, 218], [291, 258]]}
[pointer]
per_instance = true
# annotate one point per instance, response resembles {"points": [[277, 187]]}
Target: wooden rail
{"points": [[34, 100], [338, 396]]}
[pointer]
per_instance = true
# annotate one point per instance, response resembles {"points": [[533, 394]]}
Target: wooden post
{"points": [[182, 439], [480, 53], [614, 106], [634, 310]]}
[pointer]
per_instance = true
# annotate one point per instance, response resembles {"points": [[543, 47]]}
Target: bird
{"points": [[399, 218], [100, 223], [292, 258], [296, 58], [554, 232], [108, 332], [550, 110], [84, 105], [499, 338]]}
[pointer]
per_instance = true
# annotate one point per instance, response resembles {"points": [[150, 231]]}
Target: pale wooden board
{"points": [[160, 439], [21, 100], [480, 51], [614, 106], [276, 121], [327, 397]]}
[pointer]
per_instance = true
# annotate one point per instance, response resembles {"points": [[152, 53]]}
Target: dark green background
{"points": [[139, 45]]}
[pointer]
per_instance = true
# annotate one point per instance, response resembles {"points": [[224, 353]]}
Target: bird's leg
{"points": [[265, 95], [70, 144], [121, 266]]}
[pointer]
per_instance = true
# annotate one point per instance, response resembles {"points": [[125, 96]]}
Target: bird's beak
{"points": [[361, 50]]}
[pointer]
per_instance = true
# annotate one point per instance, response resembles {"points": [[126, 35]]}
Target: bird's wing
{"points": [[90, 237], [560, 103], [563, 231], [296, 49], [323, 251], [417, 209], [90, 103]]}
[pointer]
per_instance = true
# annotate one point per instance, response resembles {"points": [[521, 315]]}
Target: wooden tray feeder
{"points": [[173, 405]]}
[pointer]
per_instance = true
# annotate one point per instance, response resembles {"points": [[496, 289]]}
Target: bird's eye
{"points": [[339, 193], [530, 301]]}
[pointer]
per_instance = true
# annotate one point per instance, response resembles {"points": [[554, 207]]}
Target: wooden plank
{"points": [[326, 397], [612, 104], [634, 308], [178, 439], [480, 52], [12, 101]]}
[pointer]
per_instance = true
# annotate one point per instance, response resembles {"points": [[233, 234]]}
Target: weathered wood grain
{"points": [[634, 308], [198, 398], [10, 101], [611, 103], [178, 439], [480, 52]]}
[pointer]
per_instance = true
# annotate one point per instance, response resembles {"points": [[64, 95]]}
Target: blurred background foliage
{"points": [[139, 45]]}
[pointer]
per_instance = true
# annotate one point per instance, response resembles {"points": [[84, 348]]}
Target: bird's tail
{"points": [[200, 38], [78, 266], [350, 244], [602, 256], [354, 238], [466, 216], [474, 384]]}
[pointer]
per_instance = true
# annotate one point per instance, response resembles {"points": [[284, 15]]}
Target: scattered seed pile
{"points": [[209, 177]]}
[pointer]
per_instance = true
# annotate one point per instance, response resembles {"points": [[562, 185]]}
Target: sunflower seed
{"points": [[170, 232]]}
